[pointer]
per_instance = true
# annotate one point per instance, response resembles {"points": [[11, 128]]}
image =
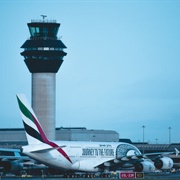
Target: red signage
{"points": [[131, 175], [128, 175]]}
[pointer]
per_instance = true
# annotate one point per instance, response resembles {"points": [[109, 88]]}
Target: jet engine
{"points": [[163, 163], [11, 166], [144, 166]]}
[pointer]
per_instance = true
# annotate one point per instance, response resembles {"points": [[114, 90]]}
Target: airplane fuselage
{"points": [[80, 156]]}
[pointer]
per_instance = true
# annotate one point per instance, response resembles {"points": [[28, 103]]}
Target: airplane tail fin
{"points": [[33, 129]]}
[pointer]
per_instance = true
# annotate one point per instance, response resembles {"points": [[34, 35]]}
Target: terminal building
{"points": [[16, 137]]}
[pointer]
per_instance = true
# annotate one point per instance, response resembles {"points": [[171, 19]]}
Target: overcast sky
{"points": [[122, 70]]}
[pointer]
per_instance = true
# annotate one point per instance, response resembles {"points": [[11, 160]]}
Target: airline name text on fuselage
{"points": [[97, 152]]}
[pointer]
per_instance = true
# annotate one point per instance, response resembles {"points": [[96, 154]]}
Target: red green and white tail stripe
{"points": [[33, 129]]}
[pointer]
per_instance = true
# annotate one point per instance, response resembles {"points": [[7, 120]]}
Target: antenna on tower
{"points": [[43, 16]]}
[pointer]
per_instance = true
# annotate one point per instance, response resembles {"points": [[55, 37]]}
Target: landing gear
{"points": [[87, 175]]}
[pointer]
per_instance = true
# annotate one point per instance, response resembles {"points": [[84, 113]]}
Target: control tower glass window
{"points": [[43, 31], [34, 31]]}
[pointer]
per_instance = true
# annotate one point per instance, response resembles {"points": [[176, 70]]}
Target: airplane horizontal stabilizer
{"points": [[47, 149]]}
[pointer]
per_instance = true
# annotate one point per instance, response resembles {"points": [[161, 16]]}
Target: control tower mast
{"points": [[43, 54]]}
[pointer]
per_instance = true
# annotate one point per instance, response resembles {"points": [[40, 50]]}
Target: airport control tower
{"points": [[43, 53]]}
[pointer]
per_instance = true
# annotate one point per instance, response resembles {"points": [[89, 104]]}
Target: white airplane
{"points": [[84, 156]]}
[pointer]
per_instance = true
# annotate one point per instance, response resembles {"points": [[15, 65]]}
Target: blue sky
{"points": [[122, 70]]}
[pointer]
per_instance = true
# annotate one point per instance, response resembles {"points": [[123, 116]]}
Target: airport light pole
{"points": [[169, 135], [143, 137], [143, 132]]}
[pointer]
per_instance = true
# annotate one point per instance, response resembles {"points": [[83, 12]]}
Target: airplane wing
{"points": [[12, 154], [162, 153], [149, 155], [146, 162], [12, 160], [115, 164]]}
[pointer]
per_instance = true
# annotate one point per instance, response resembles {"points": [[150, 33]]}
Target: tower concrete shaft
{"points": [[43, 101], [43, 54]]}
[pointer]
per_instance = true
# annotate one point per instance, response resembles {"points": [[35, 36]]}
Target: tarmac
{"points": [[156, 176]]}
